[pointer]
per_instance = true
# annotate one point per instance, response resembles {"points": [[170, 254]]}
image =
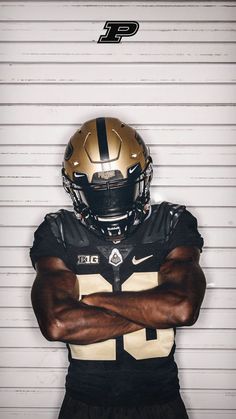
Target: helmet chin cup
{"points": [[110, 228], [115, 228]]}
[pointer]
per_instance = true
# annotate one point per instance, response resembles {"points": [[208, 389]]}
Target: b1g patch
{"points": [[88, 259]]}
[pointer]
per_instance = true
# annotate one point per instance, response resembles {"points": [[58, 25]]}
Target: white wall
{"points": [[175, 82]]}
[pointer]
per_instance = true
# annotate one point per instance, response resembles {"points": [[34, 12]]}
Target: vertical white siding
{"points": [[175, 82]]}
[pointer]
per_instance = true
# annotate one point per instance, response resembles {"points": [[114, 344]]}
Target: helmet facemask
{"points": [[113, 207]]}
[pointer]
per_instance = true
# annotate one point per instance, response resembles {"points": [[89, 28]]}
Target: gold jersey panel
{"points": [[135, 343]]}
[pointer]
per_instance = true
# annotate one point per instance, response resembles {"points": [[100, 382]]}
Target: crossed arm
{"points": [[61, 317], [174, 302]]}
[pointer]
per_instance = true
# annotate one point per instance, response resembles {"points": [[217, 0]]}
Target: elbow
{"points": [[187, 315], [58, 331], [54, 331]]}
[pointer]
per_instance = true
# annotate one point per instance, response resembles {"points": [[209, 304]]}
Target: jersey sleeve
{"points": [[185, 233], [46, 244]]}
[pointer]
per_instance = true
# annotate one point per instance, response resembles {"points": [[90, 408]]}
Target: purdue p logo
{"points": [[116, 30]]}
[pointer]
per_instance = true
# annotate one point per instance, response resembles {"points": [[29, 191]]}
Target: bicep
{"points": [[54, 283], [181, 269]]}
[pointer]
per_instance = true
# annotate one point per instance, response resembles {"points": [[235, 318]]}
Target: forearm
{"points": [[150, 309], [80, 324], [173, 303], [62, 317]]}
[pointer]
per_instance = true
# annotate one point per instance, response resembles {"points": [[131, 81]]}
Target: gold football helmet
{"points": [[107, 171]]}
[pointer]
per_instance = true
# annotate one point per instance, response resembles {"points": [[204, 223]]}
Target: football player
{"points": [[115, 277]]}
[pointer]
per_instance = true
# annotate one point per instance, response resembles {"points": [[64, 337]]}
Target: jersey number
{"points": [[135, 343]]}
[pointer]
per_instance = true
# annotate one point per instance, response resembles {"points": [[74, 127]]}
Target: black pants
{"points": [[74, 409]]}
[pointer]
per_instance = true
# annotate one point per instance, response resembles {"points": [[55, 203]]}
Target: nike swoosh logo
{"points": [[77, 175], [137, 261], [132, 169]]}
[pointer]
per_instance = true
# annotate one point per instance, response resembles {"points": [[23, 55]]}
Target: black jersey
{"points": [[138, 367]]}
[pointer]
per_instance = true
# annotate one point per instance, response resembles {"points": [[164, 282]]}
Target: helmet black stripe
{"points": [[102, 138]]}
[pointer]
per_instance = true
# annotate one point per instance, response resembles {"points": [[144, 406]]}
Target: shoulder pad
{"points": [[162, 222], [67, 229]]}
